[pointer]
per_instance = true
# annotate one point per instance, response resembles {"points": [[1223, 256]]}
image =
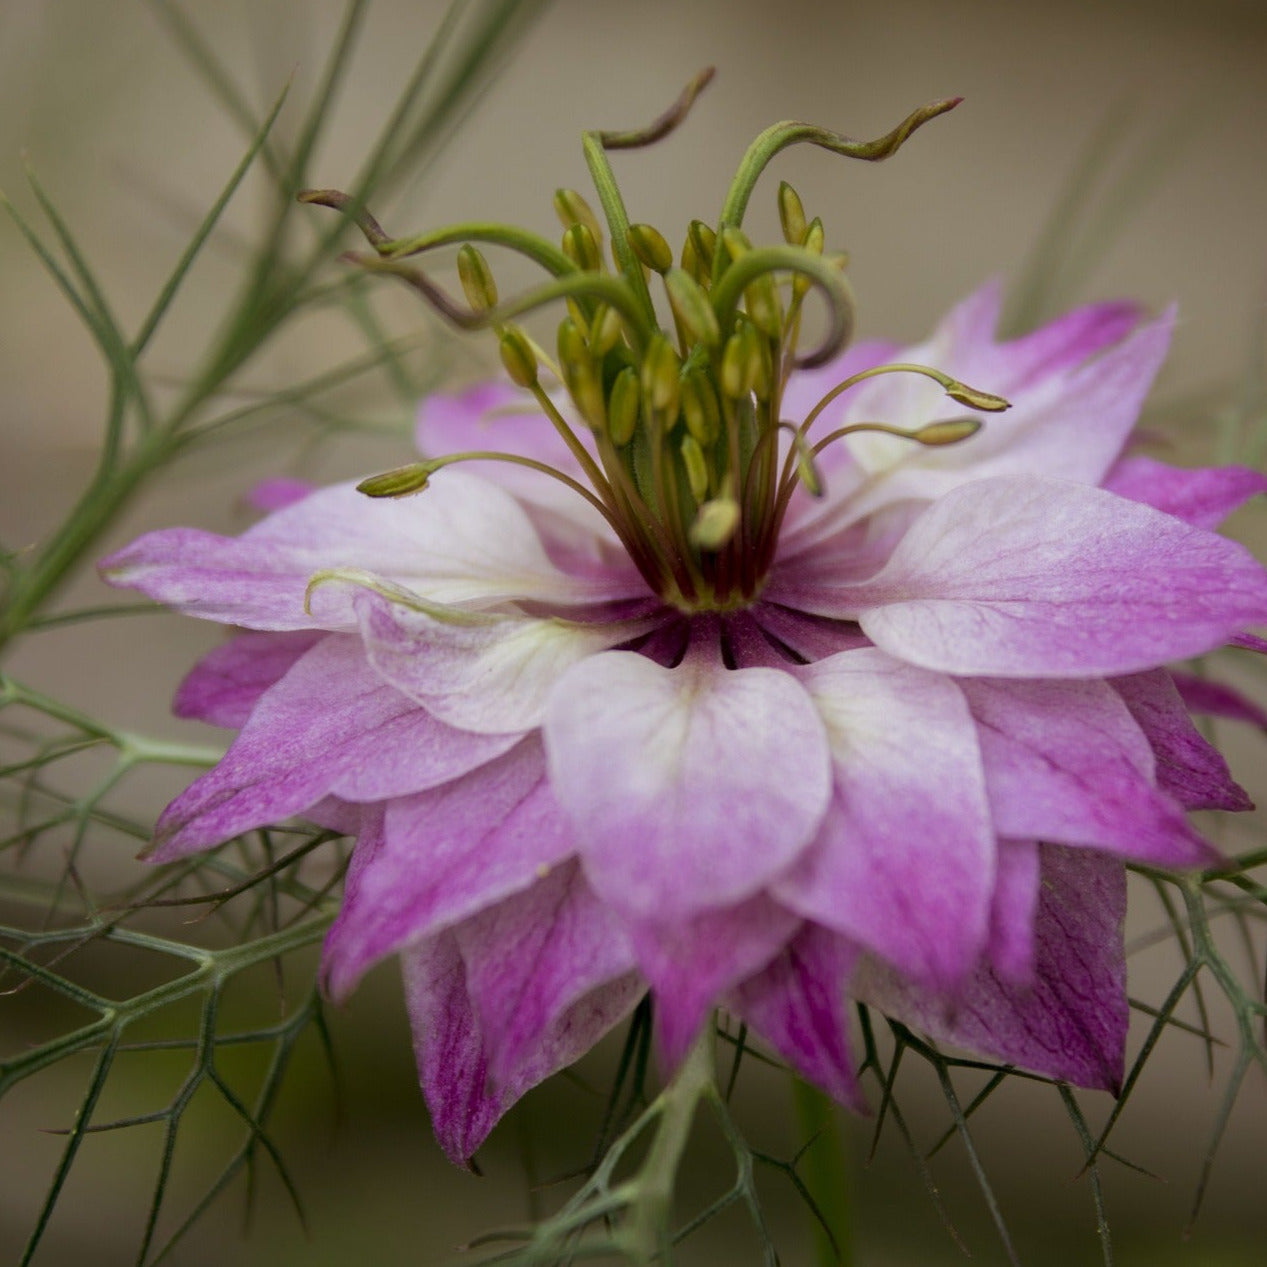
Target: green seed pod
{"points": [[791, 215], [581, 247], [518, 357], [691, 307], [477, 279], [623, 407], [700, 409], [648, 244], [572, 209]]}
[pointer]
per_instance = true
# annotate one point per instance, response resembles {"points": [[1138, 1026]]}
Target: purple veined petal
{"points": [[531, 961], [1010, 948], [1203, 497], [1030, 577], [1070, 1022], [226, 684], [465, 1101], [1251, 642], [1218, 699], [1189, 767], [808, 637], [443, 855], [904, 861], [690, 962], [798, 1004], [1066, 762], [689, 788], [464, 541], [485, 672], [279, 492], [331, 726]]}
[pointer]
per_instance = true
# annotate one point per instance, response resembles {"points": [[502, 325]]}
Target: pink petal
{"points": [[798, 1005], [485, 672], [331, 726], [1204, 497], [226, 684], [1066, 762], [690, 962], [1218, 699], [1010, 948], [690, 787], [1071, 1022], [904, 861], [442, 856], [462, 541], [1189, 768], [1030, 577], [808, 637], [279, 492]]}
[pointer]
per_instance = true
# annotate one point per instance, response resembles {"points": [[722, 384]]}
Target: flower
{"points": [[673, 695]]}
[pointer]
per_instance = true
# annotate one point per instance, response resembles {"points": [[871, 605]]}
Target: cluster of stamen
{"points": [[687, 465]]}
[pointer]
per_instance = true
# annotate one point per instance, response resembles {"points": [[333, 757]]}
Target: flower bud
{"points": [[691, 307], [648, 244], [696, 467], [572, 209], [791, 215], [477, 279], [581, 247], [623, 407], [661, 376], [398, 483], [519, 359], [715, 523], [700, 409]]}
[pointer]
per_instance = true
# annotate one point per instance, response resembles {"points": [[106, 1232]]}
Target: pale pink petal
{"points": [[691, 961], [463, 540], [1218, 699], [1204, 497], [226, 684], [1071, 1022], [443, 855], [1189, 767], [798, 1005], [531, 959], [904, 862], [1031, 577], [279, 492], [331, 726], [481, 671], [689, 788], [1066, 762], [1010, 948]]}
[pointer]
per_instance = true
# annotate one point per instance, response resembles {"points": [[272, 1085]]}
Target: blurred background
{"points": [[134, 148]]}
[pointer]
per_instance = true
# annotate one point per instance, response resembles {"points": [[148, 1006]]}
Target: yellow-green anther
{"points": [[950, 432], [581, 247], [704, 241], [578, 317], [572, 209], [715, 523], [605, 331], [661, 376], [761, 299], [807, 468], [398, 483], [477, 279], [648, 244], [791, 214], [580, 374], [691, 307], [762, 365], [622, 408], [735, 241], [691, 262], [988, 402], [700, 409], [813, 243], [573, 348], [736, 366], [696, 467], [518, 357]]}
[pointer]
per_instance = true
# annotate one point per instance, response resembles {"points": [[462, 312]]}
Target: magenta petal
{"points": [[1030, 577], [225, 685], [1218, 699], [442, 856], [690, 787], [1071, 1022], [1189, 767], [1066, 762], [798, 1005], [1204, 497], [903, 863], [530, 963], [1010, 948], [691, 962], [331, 726]]}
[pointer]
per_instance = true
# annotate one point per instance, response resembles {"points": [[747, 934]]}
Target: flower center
{"points": [[690, 459]]}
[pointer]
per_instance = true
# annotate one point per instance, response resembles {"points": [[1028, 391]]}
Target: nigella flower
{"points": [[751, 682]]}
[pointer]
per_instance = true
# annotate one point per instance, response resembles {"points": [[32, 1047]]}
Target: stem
{"points": [[826, 1174]]}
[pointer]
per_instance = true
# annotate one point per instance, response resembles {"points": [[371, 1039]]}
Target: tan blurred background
{"points": [[130, 144]]}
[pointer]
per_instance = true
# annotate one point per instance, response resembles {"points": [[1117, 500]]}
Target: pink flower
{"points": [[676, 695]]}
